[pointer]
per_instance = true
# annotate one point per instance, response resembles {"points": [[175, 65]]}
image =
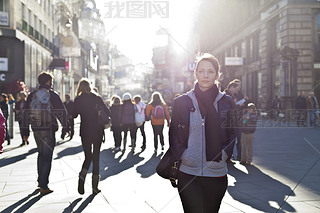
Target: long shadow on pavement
{"points": [[258, 190], [71, 206], [14, 159], [114, 166], [69, 151], [149, 167], [83, 205], [27, 205]]}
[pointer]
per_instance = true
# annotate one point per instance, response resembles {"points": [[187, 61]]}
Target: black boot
{"points": [[82, 177], [95, 182]]}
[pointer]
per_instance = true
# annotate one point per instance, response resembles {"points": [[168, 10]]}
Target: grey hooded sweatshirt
{"points": [[194, 160]]}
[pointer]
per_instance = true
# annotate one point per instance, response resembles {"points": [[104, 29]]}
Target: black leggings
{"points": [[157, 130], [201, 194], [91, 156]]}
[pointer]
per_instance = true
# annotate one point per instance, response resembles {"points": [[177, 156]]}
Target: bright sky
{"points": [[135, 37]]}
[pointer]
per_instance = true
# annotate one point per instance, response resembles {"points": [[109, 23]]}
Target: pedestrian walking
{"points": [[116, 126], [140, 108], [202, 135], [5, 110], [128, 120], [85, 105], [69, 106], [276, 107], [312, 106], [43, 108], [157, 110], [2, 131], [232, 90], [249, 121], [301, 106], [20, 107]]}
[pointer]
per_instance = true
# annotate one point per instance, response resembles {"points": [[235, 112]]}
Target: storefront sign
{"points": [[4, 18], [4, 64], [2, 77], [233, 61]]}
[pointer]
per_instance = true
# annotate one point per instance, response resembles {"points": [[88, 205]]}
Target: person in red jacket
{"points": [[2, 130]]}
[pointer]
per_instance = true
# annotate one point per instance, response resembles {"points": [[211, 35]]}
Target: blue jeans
{"points": [[45, 144], [313, 114]]}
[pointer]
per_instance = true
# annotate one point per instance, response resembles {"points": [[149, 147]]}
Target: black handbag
{"points": [[103, 118], [168, 168]]}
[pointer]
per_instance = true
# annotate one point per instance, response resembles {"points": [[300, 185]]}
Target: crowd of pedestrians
{"points": [[208, 129]]}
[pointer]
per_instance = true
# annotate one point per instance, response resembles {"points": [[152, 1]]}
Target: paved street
{"points": [[284, 177]]}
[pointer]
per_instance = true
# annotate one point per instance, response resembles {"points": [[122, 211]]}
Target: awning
{"points": [[57, 63]]}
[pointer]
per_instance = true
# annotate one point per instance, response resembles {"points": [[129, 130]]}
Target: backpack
{"points": [[158, 112], [40, 108], [138, 117]]}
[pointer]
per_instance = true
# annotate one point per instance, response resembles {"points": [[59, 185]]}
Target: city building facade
{"points": [[26, 40], [271, 46]]}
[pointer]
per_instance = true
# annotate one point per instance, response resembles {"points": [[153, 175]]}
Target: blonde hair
{"points": [[84, 86]]}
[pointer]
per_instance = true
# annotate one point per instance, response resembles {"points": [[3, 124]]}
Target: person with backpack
{"points": [[158, 112], [140, 107], [86, 104], [5, 110], [128, 120], [2, 130], [116, 126], [43, 108]]}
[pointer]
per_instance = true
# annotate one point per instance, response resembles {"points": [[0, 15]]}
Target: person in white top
{"points": [[141, 106]]}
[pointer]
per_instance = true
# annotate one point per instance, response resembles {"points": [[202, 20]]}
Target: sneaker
{"points": [[22, 144], [162, 148], [117, 149], [45, 191]]}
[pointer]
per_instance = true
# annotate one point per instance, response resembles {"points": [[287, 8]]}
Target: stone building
{"points": [[26, 40], [272, 46]]}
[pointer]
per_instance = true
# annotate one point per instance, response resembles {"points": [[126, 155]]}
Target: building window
{"points": [[317, 39], [45, 5], [29, 17], [40, 27], [243, 49], [275, 36], [23, 8], [277, 82], [1, 5], [49, 8]]}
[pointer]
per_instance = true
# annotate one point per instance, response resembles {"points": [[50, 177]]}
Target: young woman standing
{"points": [[202, 135]]}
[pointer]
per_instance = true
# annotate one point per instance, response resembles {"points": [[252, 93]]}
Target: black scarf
{"points": [[212, 125]]}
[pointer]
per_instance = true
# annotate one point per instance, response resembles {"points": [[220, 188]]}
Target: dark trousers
{"points": [[117, 135], [301, 117], [157, 130], [143, 134], [7, 133], [238, 145], [91, 156], [201, 194], [133, 131], [45, 144]]}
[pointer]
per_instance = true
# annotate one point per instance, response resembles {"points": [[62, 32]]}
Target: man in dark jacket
{"points": [[69, 106], [301, 106], [44, 125]]}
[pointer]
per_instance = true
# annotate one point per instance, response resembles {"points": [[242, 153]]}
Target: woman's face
{"points": [[206, 75]]}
